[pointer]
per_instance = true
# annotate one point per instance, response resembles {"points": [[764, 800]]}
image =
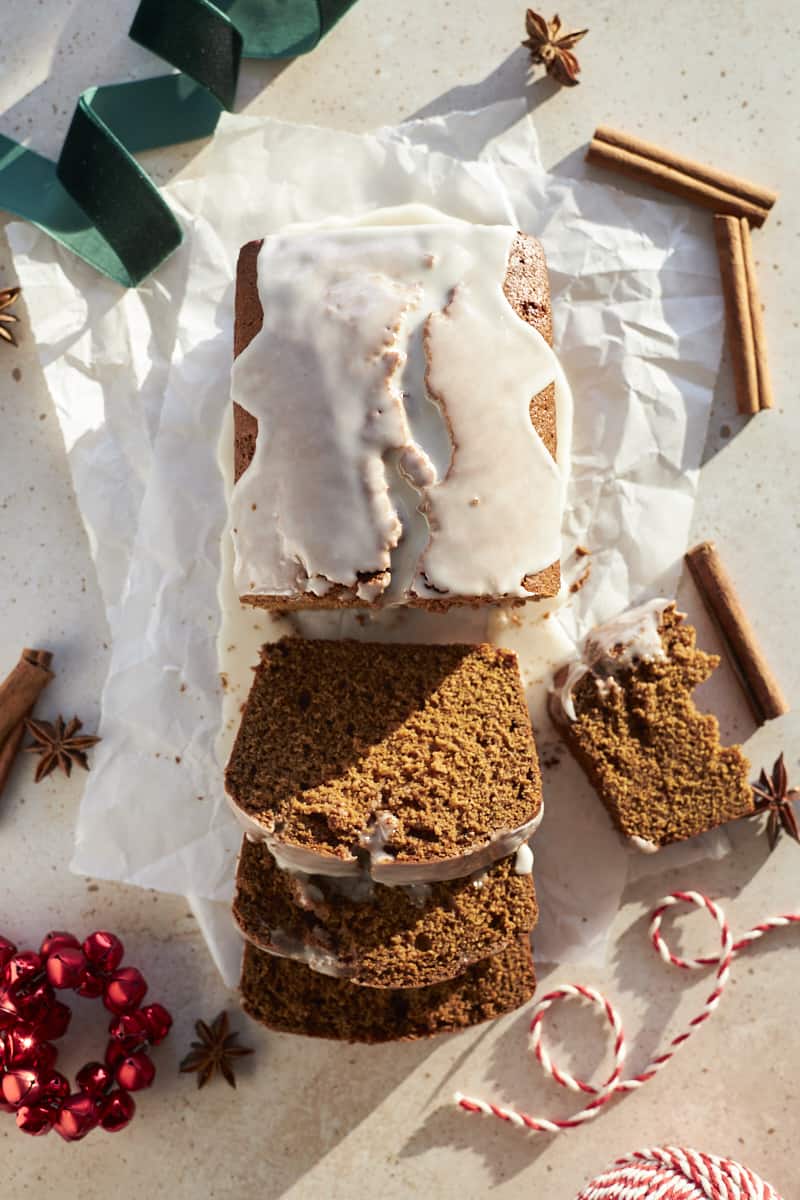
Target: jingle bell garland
{"points": [[32, 1019]]}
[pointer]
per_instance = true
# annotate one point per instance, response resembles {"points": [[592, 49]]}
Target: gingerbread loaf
{"points": [[412, 764], [627, 713], [388, 513], [379, 936], [286, 996]]}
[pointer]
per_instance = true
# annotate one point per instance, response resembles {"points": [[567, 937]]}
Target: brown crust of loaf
{"points": [[386, 937], [288, 997], [527, 289]]}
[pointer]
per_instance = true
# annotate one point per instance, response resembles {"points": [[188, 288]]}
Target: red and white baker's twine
{"points": [[676, 1174], [615, 1085]]}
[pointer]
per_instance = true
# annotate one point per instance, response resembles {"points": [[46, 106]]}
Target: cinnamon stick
{"points": [[765, 397], [18, 695], [738, 309], [694, 181], [719, 596]]}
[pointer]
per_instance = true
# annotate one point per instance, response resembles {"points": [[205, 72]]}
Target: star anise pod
{"points": [[8, 296], [548, 45], [59, 745], [773, 795], [214, 1051]]}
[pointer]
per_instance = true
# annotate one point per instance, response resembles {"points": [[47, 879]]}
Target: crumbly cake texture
{"points": [[383, 936], [288, 997], [655, 760], [527, 289], [335, 733]]}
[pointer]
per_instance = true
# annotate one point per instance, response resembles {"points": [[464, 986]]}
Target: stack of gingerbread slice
{"points": [[388, 793]]}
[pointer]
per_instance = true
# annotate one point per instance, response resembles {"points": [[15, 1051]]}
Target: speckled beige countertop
{"points": [[717, 80]]}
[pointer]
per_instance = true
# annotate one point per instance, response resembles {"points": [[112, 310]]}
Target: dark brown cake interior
{"points": [[385, 936], [286, 996], [335, 732], [654, 758]]}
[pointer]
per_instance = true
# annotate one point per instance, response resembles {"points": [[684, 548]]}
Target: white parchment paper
{"points": [[140, 384]]}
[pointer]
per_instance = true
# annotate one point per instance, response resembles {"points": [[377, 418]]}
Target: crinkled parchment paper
{"points": [[140, 384]]}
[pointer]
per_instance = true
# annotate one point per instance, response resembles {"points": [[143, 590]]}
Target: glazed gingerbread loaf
{"points": [[363, 479], [379, 936], [626, 708], [286, 996], [406, 764]]}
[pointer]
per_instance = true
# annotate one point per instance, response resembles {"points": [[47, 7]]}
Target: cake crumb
{"points": [[582, 551], [577, 584]]}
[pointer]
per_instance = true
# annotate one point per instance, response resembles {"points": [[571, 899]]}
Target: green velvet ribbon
{"points": [[96, 200]]}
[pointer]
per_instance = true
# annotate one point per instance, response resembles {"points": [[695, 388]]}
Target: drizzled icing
{"points": [[376, 863], [643, 845], [365, 477], [523, 861], [632, 637], [501, 483], [283, 945]]}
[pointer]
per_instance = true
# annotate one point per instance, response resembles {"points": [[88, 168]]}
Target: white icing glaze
{"points": [[523, 862], [283, 945], [609, 648], [496, 515], [307, 894], [375, 839], [643, 845], [357, 470], [379, 865]]}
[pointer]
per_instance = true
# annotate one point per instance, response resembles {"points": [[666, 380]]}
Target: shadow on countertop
{"points": [[508, 81]]}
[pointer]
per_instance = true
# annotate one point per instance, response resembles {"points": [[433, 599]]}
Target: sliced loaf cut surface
{"points": [[386, 755], [380, 936], [288, 997], [628, 715]]}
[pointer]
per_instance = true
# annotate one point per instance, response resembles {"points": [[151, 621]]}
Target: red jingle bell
{"points": [[45, 1057], [32, 1006], [130, 1029], [157, 1021], [9, 1009], [57, 939], [135, 1072], [35, 1119], [95, 1079], [115, 1052], [7, 951], [20, 1045], [55, 1022], [55, 1086], [117, 1111], [23, 1086], [65, 967], [23, 965], [77, 1116], [92, 983], [104, 951], [125, 990]]}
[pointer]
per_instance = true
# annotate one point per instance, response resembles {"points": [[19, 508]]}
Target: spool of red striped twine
{"points": [[615, 1085], [672, 1173]]}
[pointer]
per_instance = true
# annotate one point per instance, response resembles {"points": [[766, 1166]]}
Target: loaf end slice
{"points": [[288, 997], [627, 712]]}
